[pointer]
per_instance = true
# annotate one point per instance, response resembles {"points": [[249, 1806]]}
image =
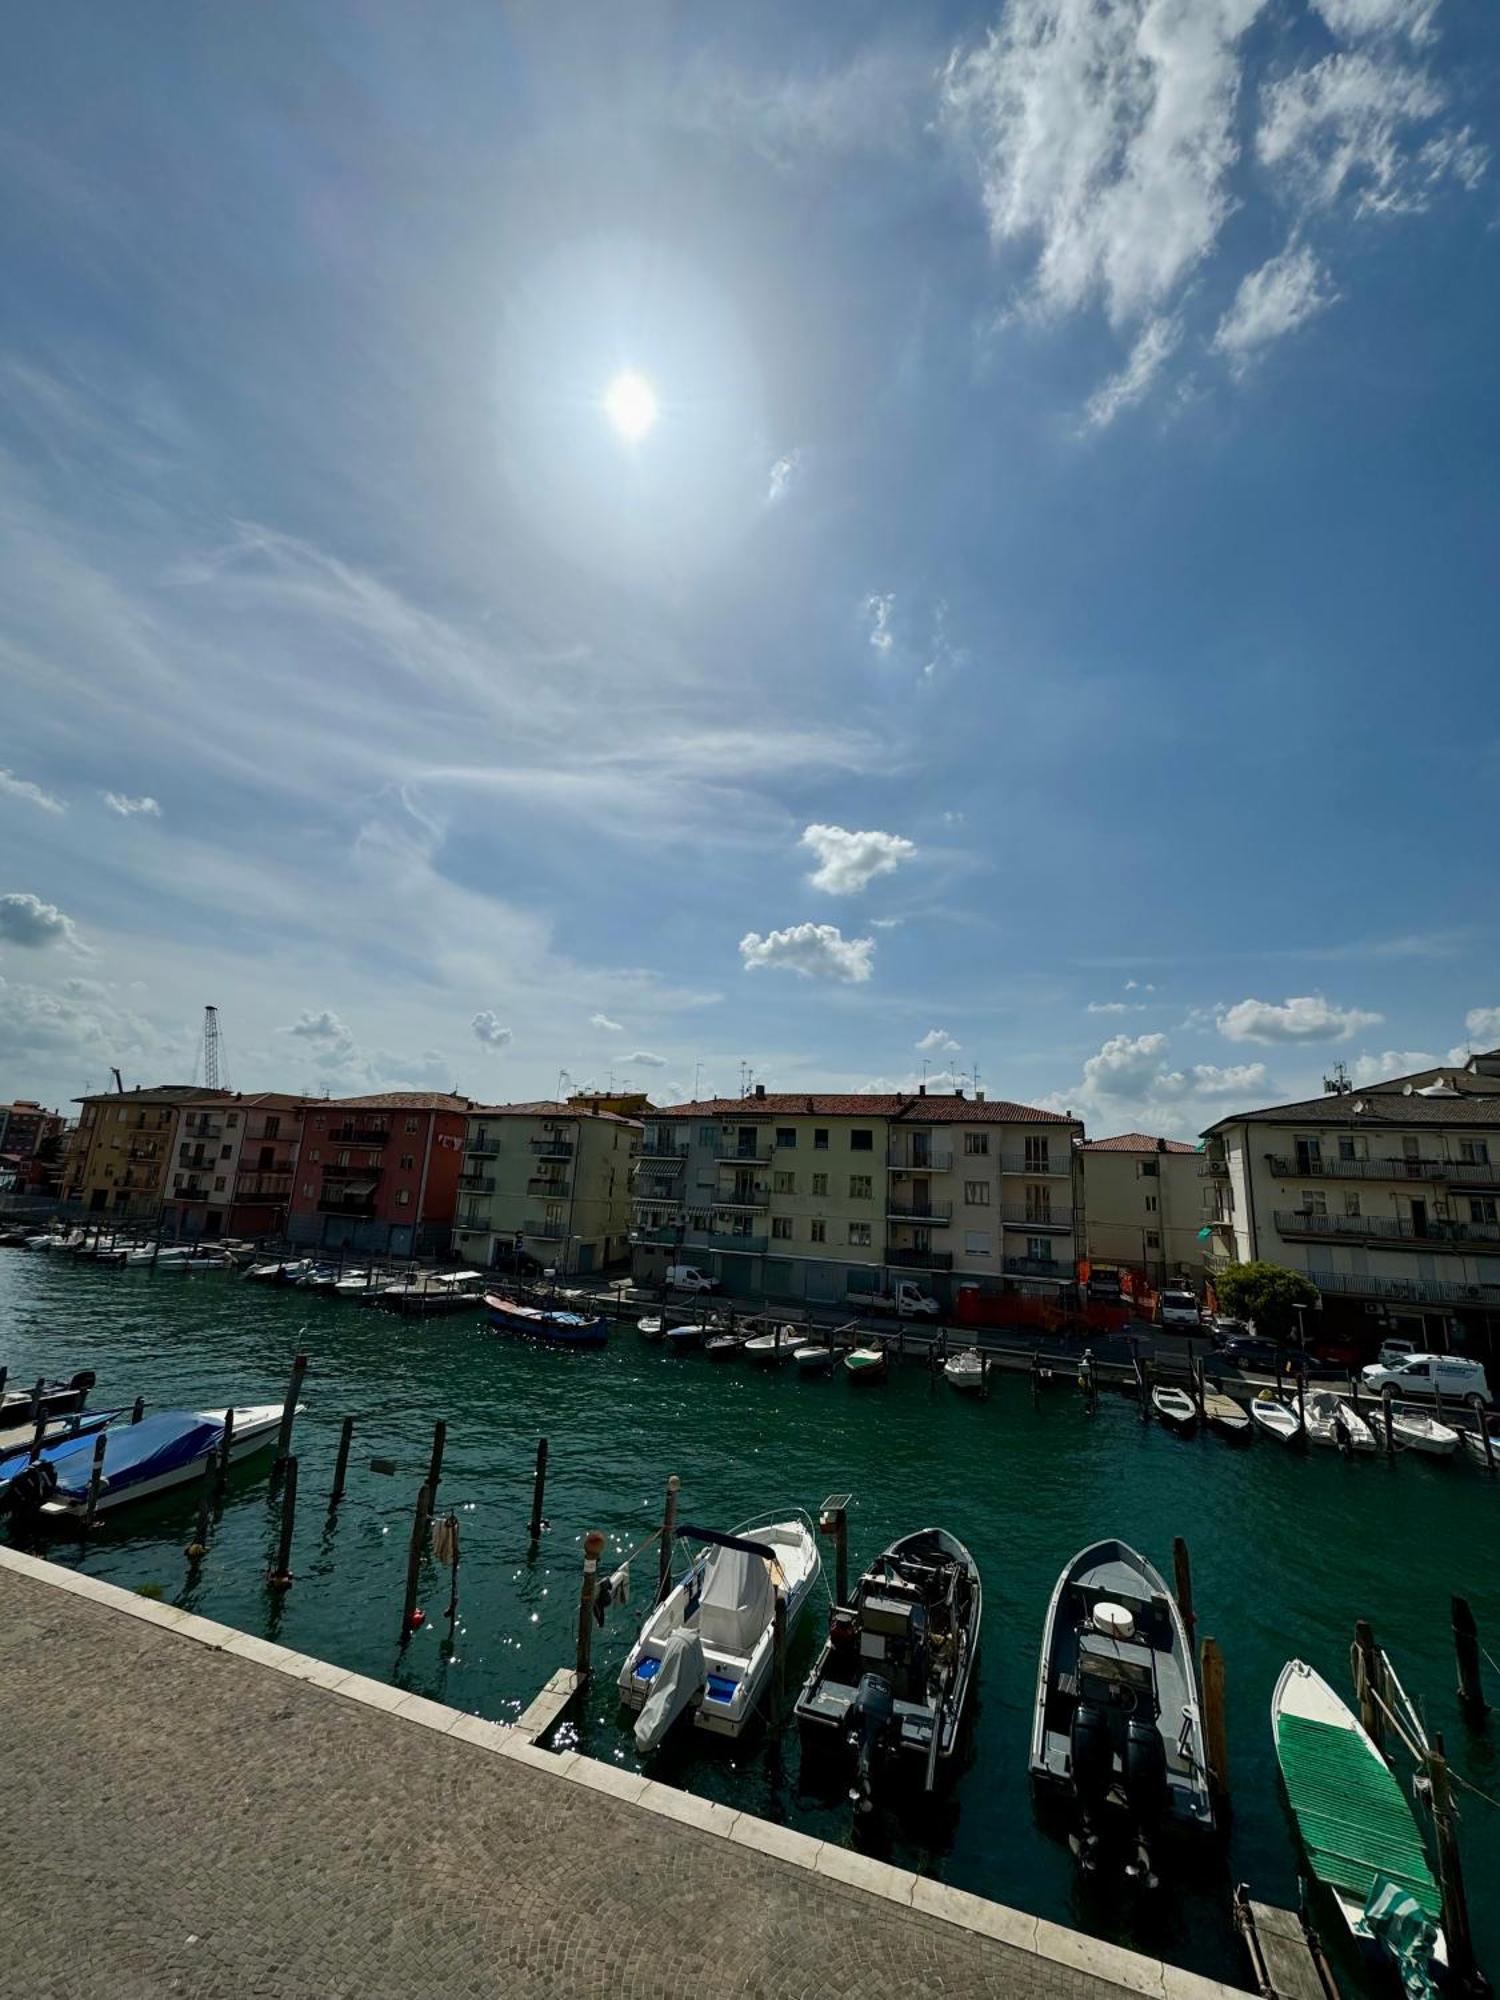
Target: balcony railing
{"points": [[549, 1190], [731, 1154], [909, 1159], [919, 1260], [476, 1183], [343, 1204], [666, 1159], [1414, 1291], [143, 1153], [658, 1235], [552, 1149], [287, 1165], [1036, 1267], [483, 1149], [938, 1213], [1051, 1163], [360, 1175], [745, 1246], [659, 1191], [1297, 1167], [360, 1135], [188, 1190], [262, 1187], [1438, 1232], [749, 1199], [1018, 1215], [202, 1128]]}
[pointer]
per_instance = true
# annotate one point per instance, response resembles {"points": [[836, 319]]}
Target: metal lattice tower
{"points": [[211, 1048]]}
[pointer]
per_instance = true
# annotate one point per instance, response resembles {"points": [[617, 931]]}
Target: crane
{"points": [[212, 1049]]}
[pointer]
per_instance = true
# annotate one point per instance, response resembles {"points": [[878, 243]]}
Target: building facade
{"points": [[26, 1128], [1388, 1197], [379, 1174], [549, 1181], [122, 1157], [233, 1165], [825, 1198], [1142, 1200]]}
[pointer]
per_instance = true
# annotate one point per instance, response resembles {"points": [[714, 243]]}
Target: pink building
{"points": [[379, 1174]]}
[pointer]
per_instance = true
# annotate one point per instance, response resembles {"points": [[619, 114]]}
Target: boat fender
{"points": [[1113, 1620], [1092, 1756], [1145, 1770]]}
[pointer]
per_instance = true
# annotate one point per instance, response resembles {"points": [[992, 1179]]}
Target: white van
{"points": [[688, 1278], [1180, 1309], [1426, 1374]]}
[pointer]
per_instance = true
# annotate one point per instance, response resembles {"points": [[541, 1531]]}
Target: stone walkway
{"points": [[207, 1819]]}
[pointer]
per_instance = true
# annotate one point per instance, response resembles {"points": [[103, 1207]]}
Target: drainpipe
{"points": [[416, 1226]]}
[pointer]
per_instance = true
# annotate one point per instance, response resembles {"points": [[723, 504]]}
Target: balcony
{"points": [[730, 1154], [658, 1191], [1297, 1167], [546, 1232], [919, 1260], [143, 1153], [282, 1166], [476, 1183], [360, 1206], [749, 1199], [666, 1159], [549, 1190], [666, 1236], [1037, 1267], [359, 1176], [938, 1213], [483, 1149], [551, 1149], [909, 1159], [262, 1187], [1437, 1233], [360, 1135], [745, 1246], [188, 1190], [1412, 1291], [1019, 1215], [1049, 1163], [202, 1128]]}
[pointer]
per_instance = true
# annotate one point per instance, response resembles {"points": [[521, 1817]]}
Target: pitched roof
{"points": [[1374, 1109], [161, 1093], [549, 1107], [914, 1110], [1136, 1142], [396, 1100]]}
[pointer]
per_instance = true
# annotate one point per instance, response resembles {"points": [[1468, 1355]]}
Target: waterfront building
{"points": [[26, 1128], [1142, 1205], [123, 1151], [1387, 1196], [825, 1197], [379, 1174], [232, 1165], [547, 1180]]}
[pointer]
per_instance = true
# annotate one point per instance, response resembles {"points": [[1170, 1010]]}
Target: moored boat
{"points": [[1474, 1441], [813, 1358], [1224, 1415], [892, 1681], [866, 1364], [1331, 1420], [770, 1349], [287, 1272], [965, 1371], [679, 1338], [1116, 1728], [1276, 1418], [719, 1344], [143, 1460], [650, 1327], [563, 1329], [54, 1399], [20, 1438], [1175, 1407]]}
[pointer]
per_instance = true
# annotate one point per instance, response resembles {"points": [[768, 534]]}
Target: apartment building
{"points": [[1388, 1197], [1142, 1204], [25, 1128], [816, 1197], [121, 1159], [232, 1166], [547, 1180], [379, 1174]]}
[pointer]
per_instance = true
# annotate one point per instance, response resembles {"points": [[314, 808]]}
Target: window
{"points": [[315, 1155], [786, 1135], [861, 1140], [1351, 1204], [1039, 1249], [273, 1125], [1153, 1241], [1037, 1154], [1474, 1152], [781, 1228], [408, 1161], [859, 1235], [1039, 1203], [818, 1231], [708, 1135], [1351, 1148], [233, 1119], [343, 1159], [1314, 1202], [307, 1190], [1481, 1210], [1146, 1170], [977, 1243], [412, 1124], [861, 1187], [820, 1138], [1151, 1204], [820, 1184], [225, 1151], [403, 1197], [783, 1182], [977, 1194], [976, 1143], [318, 1122], [219, 1183]]}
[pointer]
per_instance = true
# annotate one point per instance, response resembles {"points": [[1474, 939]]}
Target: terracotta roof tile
{"points": [[1136, 1142], [915, 1110]]}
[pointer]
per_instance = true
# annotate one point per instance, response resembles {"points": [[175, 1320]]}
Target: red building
{"points": [[379, 1173]]}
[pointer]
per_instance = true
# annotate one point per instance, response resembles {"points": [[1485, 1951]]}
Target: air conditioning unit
{"points": [[1373, 1306]]}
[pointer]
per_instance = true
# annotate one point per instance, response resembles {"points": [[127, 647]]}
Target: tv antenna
{"points": [[1337, 1085]]}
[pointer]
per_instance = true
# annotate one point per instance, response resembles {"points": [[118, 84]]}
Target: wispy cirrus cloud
{"points": [[129, 808], [12, 787]]}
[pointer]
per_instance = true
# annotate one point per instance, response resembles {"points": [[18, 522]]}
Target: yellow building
{"points": [[122, 1154], [546, 1181]]}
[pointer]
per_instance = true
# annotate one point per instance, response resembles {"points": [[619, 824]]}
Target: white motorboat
{"points": [[354, 1284], [813, 1358], [780, 1344], [708, 1645], [1475, 1446], [1276, 1418], [1419, 1432], [1332, 1420], [166, 1450], [287, 1272], [965, 1371], [650, 1326]]}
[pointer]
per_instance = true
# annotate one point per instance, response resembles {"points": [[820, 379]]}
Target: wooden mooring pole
{"points": [[593, 1548], [538, 1493], [1182, 1576], [1487, 1438], [1464, 1975], [96, 1475], [435, 1463], [1388, 1414], [341, 1462], [1215, 1727], [668, 1532], [833, 1520], [288, 1415], [197, 1548], [1367, 1682], [411, 1617], [280, 1574], [1466, 1651], [778, 1663]]}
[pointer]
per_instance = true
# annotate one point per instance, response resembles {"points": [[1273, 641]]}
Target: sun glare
{"points": [[630, 405]]}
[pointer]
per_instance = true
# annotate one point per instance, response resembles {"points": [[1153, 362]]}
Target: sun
{"points": [[630, 405]]}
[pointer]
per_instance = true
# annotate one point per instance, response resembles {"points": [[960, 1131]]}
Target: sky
{"points": [[660, 545]]}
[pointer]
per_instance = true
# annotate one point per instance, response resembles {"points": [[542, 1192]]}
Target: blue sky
{"points": [[1048, 625]]}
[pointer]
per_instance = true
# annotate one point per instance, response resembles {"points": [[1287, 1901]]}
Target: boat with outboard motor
{"points": [[1116, 1730], [1417, 1431], [772, 1348], [690, 1333], [1474, 1441], [813, 1358], [707, 1646], [965, 1371], [562, 1329], [289, 1271], [52, 1399], [1276, 1418], [1175, 1407], [1329, 1419], [141, 1460], [78, 1423], [650, 1327], [866, 1364], [892, 1682]]}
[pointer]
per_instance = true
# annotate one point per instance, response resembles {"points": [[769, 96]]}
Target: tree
{"points": [[1266, 1294]]}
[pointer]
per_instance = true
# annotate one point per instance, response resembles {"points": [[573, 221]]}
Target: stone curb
{"points": [[1129, 1970]]}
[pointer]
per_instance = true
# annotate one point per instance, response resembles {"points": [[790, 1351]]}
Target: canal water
{"points": [[1288, 1548]]}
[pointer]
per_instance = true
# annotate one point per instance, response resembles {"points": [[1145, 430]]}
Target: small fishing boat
{"points": [[195, 1259], [866, 1364], [771, 1349], [1276, 1418], [436, 1292], [1116, 1729], [719, 1344], [708, 1646], [893, 1678], [56, 1430], [142, 1460], [1176, 1408], [321, 1278], [681, 1338], [355, 1284], [813, 1359], [1474, 1441], [965, 1371], [1331, 1420], [289, 1271], [1420, 1432], [54, 1399], [562, 1329], [1224, 1415], [651, 1327], [1357, 1824]]}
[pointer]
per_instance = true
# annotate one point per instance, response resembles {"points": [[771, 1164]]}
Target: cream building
{"points": [[818, 1197], [1142, 1199], [124, 1152], [551, 1180], [1388, 1197]]}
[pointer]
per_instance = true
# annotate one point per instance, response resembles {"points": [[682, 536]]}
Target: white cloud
{"points": [[1209, 1080], [129, 808], [1483, 1023], [781, 475], [1124, 1066], [1109, 1007], [1282, 295], [12, 787], [1155, 346], [27, 921], [1355, 20], [1129, 1082], [1391, 1062], [605, 1025], [488, 1030], [1307, 1018], [878, 610], [333, 1039], [938, 1042], [1346, 126], [816, 951], [848, 861], [644, 1059]]}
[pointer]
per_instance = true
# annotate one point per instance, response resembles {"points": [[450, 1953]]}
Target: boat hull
{"points": [[255, 1431]]}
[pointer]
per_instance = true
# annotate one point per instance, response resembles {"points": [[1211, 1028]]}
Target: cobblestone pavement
{"points": [[181, 1821]]}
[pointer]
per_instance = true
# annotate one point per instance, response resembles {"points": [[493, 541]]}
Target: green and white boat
{"points": [[865, 1364], [1357, 1825]]}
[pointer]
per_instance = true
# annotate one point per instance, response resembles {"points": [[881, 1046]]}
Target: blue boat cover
{"points": [[161, 1443], [17, 1461]]}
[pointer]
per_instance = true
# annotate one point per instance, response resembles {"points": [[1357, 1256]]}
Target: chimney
{"points": [[760, 1090], [959, 1092], [921, 1090], [979, 1097]]}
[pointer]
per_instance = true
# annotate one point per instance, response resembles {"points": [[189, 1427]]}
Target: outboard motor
{"points": [[1145, 1793], [1092, 1759], [33, 1485], [874, 1713]]}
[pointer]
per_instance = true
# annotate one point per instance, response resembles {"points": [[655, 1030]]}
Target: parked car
{"points": [[1179, 1312], [1253, 1354], [1427, 1374], [1394, 1352], [1222, 1329], [904, 1298], [688, 1278]]}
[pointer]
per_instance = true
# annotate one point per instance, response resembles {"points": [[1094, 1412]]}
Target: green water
{"points": [[1288, 1548]]}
